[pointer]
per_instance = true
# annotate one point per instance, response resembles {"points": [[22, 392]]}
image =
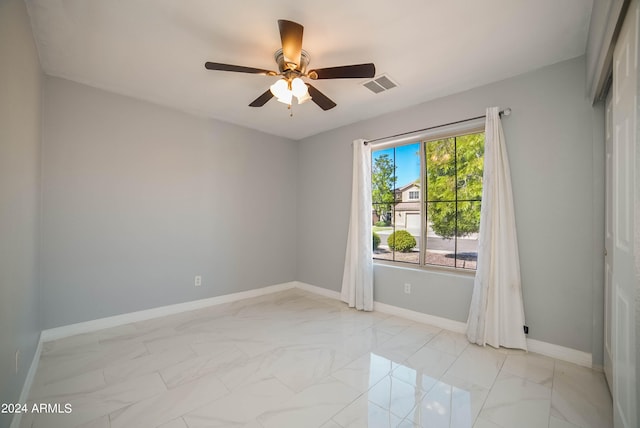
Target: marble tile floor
{"points": [[295, 359]]}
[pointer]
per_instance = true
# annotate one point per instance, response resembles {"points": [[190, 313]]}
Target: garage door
{"points": [[413, 223]]}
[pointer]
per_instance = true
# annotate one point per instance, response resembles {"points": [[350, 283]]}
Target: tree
{"points": [[454, 173], [383, 181]]}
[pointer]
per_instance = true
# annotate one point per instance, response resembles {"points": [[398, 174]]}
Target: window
{"points": [[426, 200]]}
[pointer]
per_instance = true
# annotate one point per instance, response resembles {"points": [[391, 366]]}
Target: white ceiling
{"points": [[156, 49]]}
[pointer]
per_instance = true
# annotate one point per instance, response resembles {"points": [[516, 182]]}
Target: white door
{"points": [[625, 86], [608, 240]]}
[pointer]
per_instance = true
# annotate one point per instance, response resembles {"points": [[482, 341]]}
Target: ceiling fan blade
{"points": [[291, 37], [321, 99], [356, 71], [262, 99], [238, 68]]}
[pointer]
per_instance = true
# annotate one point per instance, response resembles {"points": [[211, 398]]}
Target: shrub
{"points": [[376, 241], [402, 241], [381, 223]]}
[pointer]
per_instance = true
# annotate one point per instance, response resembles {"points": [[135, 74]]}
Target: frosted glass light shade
{"points": [[298, 87], [303, 99], [286, 97], [280, 89], [284, 90]]}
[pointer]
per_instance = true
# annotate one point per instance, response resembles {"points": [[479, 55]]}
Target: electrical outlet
{"points": [[198, 281], [407, 288], [526, 329], [17, 360]]}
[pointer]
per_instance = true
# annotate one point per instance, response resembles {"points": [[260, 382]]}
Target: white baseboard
{"points": [[117, 320], [563, 353], [543, 348], [318, 290], [444, 323], [26, 387]]}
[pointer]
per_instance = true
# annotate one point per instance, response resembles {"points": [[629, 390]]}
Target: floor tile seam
{"points": [[484, 402], [554, 393], [124, 408], [522, 400], [410, 410], [536, 366], [167, 389], [553, 379], [336, 422], [495, 379], [360, 394], [456, 357], [164, 382], [229, 392], [95, 390], [558, 414], [425, 391], [419, 423], [512, 375], [405, 328], [389, 374], [453, 354], [276, 378], [431, 339]]}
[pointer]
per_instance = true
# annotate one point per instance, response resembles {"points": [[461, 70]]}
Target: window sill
{"points": [[427, 268]]}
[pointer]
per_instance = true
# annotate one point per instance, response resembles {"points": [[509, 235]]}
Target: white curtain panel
{"points": [[357, 279], [496, 316]]}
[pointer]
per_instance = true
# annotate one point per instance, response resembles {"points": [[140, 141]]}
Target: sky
{"points": [[407, 159]]}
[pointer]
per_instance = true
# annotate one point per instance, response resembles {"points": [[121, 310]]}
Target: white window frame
{"points": [[436, 133]]}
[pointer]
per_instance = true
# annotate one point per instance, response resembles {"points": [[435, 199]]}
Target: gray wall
{"points": [[556, 156], [138, 199], [20, 127]]}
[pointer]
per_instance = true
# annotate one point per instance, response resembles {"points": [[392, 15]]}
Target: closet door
{"points": [[625, 90], [608, 240]]}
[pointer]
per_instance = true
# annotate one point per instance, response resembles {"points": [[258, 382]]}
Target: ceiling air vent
{"points": [[380, 84]]}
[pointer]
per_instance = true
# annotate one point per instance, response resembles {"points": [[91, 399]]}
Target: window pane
{"points": [[404, 241], [383, 227], [407, 208], [441, 170], [468, 219], [407, 160], [467, 252], [441, 244], [470, 158], [383, 178]]}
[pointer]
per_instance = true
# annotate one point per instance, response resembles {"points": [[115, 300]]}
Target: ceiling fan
{"points": [[292, 63]]}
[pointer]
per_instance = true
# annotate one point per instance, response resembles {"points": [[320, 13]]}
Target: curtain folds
{"points": [[357, 279], [496, 315]]}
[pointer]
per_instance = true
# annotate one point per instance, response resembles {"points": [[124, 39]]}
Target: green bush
{"points": [[382, 223], [376, 241], [402, 241]]}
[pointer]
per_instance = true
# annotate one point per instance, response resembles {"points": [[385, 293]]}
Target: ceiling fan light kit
{"points": [[284, 90], [292, 63]]}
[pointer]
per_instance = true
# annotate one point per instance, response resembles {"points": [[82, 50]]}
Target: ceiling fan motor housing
{"points": [[300, 70]]}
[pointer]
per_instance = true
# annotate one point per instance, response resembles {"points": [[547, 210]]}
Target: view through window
{"points": [[426, 201]]}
